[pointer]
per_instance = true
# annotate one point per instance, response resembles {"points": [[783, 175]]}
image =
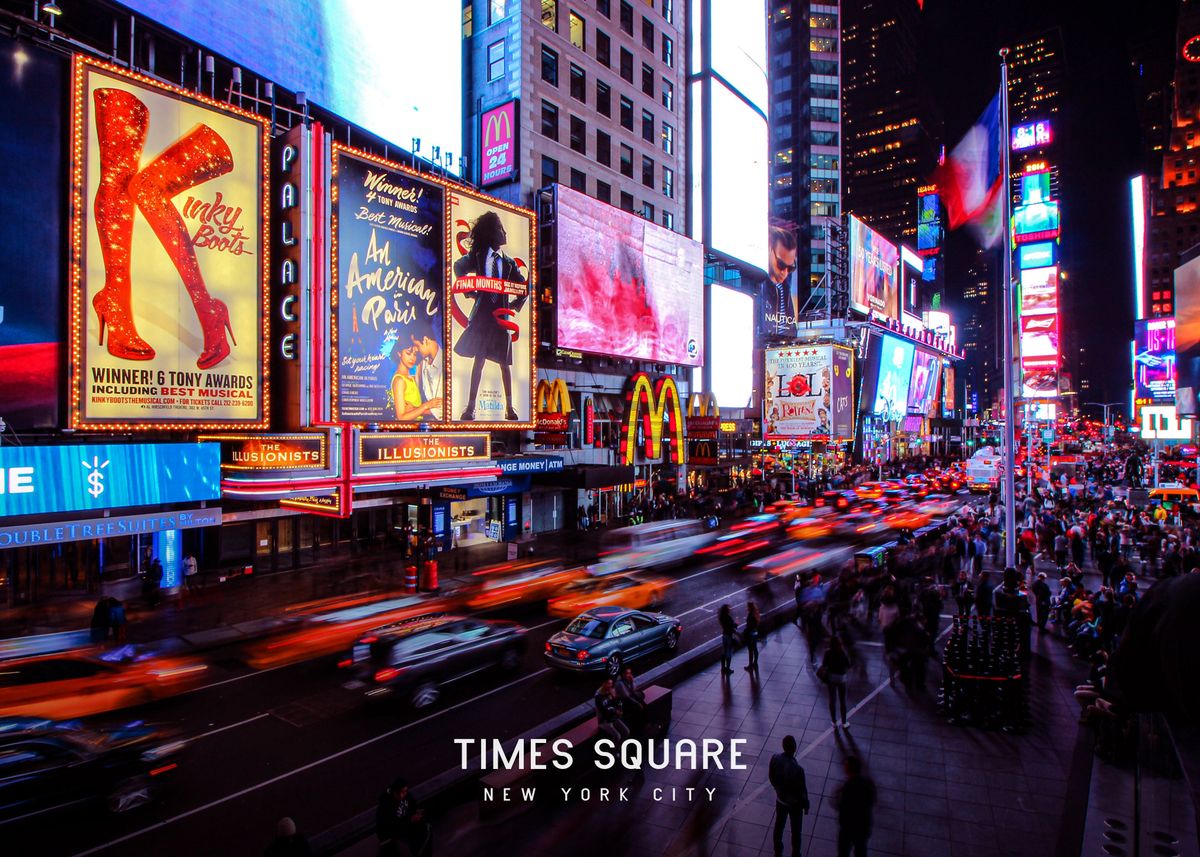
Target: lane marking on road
{"points": [[316, 763], [230, 726], [235, 678]]}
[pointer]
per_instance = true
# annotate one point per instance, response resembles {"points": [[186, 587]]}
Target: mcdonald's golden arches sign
{"points": [[656, 403]]}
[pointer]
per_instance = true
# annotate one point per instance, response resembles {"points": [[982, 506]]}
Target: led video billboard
{"points": [[1039, 336], [731, 346], [1154, 361], [1187, 338], [1039, 291], [1031, 135], [627, 287], [373, 64], [808, 393], [1036, 255], [738, 205], [895, 373], [873, 264], [1035, 187], [169, 304], [1039, 381], [912, 267], [1035, 222], [949, 392], [923, 387], [739, 49]]}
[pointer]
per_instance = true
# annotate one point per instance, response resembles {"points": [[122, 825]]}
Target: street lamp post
{"points": [[1106, 406]]}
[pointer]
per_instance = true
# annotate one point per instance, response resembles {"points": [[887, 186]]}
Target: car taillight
{"points": [[154, 772], [547, 645], [582, 655], [386, 674], [345, 662], [369, 640]]}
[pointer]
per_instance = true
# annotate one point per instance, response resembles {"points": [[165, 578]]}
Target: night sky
{"points": [[1097, 143]]}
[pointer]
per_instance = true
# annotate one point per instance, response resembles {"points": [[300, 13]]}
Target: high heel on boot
{"points": [[123, 339], [214, 321]]}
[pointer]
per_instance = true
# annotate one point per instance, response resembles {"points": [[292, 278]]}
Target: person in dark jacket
{"points": [[728, 633], [288, 842], [750, 633], [631, 699], [609, 712], [1041, 597], [964, 594], [855, 804], [983, 596], [791, 794], [399, 825], [100, 621], [834, 667]]}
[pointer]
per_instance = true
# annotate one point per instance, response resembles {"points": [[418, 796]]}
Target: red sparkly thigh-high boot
{"points": [[121, 121], [199, 156]]}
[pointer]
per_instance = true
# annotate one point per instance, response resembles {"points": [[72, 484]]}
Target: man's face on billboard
{"points": [[783, 262]]}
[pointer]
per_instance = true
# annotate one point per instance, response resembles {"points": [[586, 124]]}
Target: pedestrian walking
{"points": [[1041, 599], [117, 620], [750, 634], [152, 581], [855, 805], [631, 699], [101, 617], [400, 824], [288, 842], [728, 635], [190, 567], [791, 795], [983, 596], [834, 667], [964, 594]]}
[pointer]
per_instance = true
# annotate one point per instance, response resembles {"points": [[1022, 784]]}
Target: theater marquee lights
{"points": [[654, 403]]}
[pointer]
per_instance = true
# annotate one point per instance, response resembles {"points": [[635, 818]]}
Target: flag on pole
{"points": [[970, 182]]}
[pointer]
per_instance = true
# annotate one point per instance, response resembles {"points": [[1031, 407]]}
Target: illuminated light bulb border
{"points": [[448, 187], [81, 65]]}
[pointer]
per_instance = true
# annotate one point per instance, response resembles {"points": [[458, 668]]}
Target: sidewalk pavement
{"points": [[242, 608], [943, 789]]}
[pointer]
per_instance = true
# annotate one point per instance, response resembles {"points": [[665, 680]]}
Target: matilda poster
{"points": [[390, 279], [168, 300], [491, 311]]}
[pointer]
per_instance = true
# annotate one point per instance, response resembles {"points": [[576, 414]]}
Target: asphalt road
{"points": [[293, 741]]}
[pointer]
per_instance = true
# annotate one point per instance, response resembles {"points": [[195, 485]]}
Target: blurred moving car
{"points": [[799, 558], [624, 590], [871, 490], [818, 525], [47, 765], [331, 631], [606, 638], [91, 681], [654, 545], [756, 533], [906, 518], [523, 582], [415, 658]]}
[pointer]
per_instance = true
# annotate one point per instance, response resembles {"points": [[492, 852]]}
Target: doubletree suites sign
{"points": [[389, 450]]}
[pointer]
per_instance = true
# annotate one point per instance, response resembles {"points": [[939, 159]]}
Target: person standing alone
{"points": [[855, 803], [791, 795]]}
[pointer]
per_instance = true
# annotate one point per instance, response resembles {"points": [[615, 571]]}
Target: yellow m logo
{"points": [[552, 397], [498, 128], [703, 405], [660, 400]]}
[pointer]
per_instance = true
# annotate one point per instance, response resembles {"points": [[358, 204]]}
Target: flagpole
{"points": [[1010, 417]]}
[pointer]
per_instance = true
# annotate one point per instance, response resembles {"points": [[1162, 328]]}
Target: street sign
{"points": [[1048, 435]]}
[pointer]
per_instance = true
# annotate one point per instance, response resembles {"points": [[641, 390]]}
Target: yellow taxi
{"points": [[77, 683], [818, 525], [519, 583], [620, 590]]}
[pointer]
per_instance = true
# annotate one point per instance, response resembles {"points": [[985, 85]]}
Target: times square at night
{"points": [[577, 427]]}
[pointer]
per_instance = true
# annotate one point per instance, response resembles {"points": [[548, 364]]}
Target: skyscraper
{"points": [[890, 127], [806, 179]]}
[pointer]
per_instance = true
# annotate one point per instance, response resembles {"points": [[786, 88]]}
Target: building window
{"points": [[648, 211], [668, 183], [604, 8], [668, 220], [495, 60], [668, 10], [578, 135], [603, 149], [626, 113], [668, 139], [603, 48], [579, 180], [495, 11], [668, 51], [627, 162], [578, 31], [549, 170], [627, 202], [604, 192], [647, 171], [647, 80], [603, 99], [578, 83], [549, 120], [627, 23], [668, 94], [550, 14], [549, 66], [647, 34], [627, 64], [647, 126]]}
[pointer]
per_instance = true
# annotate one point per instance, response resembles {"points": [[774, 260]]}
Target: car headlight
{"points": [[162, 751]]}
